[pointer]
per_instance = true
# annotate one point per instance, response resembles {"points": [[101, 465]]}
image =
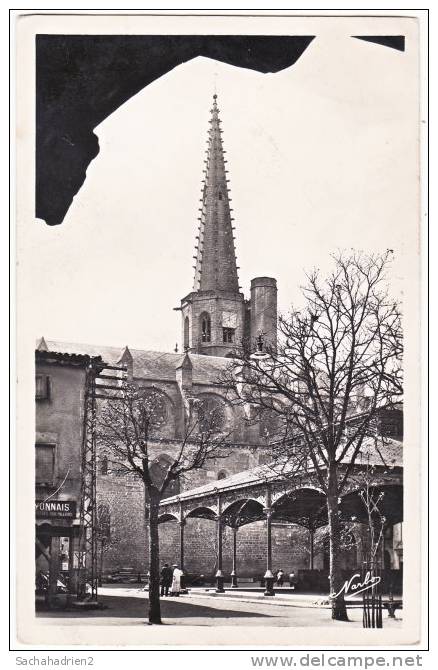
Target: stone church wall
{"points": [[128, 546], [123, 495]]}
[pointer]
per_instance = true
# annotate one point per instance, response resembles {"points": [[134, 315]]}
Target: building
{"points": [[59, 398], [215, 318]]}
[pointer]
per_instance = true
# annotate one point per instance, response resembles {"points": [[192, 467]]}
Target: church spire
{"points": [[216, 267]]}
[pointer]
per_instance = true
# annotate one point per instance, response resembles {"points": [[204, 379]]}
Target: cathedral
{"points": [[215, 318]]}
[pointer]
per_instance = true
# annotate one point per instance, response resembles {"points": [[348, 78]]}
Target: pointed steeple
{"points": [[42, 345], [127, 359], [213, 314], [216, 267], [126, 356]]}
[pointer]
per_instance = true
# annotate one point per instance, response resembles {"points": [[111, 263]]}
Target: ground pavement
{"points": [[127, 605]]}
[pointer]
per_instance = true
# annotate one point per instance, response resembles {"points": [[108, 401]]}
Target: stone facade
{"points": [[59, 422], [59, 400], [206, 314]]}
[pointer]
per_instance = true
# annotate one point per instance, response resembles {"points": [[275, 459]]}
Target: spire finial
{"points": [[216, 266]]}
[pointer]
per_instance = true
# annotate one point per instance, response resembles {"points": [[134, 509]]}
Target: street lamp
{"points": [[259, 353]]}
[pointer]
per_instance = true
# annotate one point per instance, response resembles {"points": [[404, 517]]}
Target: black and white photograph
{"points": [[218, 271]]}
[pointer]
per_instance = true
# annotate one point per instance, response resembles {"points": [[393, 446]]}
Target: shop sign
{"points": [[55, 509]]}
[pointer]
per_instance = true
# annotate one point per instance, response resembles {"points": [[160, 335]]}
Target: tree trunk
{"points": [[154, 560], [339, 611]]}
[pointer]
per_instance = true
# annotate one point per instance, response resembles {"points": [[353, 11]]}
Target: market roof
{"points": [[388, 453]]}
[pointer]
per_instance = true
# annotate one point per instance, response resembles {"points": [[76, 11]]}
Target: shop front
{"points": [[56, 555]]}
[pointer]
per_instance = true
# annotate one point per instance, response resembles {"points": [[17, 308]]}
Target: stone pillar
{"points": [[311, 547], [269, 577], [219, 526], [234, 583], [181, 525]]}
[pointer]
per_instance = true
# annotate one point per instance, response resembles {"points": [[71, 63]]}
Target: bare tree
{"points": [[125, 429], [337, 366], [372, 499]]}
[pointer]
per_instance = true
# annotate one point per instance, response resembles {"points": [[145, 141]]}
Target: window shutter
{"points": [[42, 387], [44, 463]]}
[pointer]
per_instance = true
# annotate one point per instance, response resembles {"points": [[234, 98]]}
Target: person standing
{"points": [[280, 577], [166, 579], [293, 580], [176, 581]]}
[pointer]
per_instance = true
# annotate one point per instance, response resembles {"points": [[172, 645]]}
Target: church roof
{"points": [[216, 266], [149, 364]]}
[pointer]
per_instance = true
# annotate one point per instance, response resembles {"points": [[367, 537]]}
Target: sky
{"points": [[321, 156]]}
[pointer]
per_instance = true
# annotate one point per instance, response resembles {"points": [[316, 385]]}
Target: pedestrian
{"points": [[280, 577], [166, 579], [176, 581], [293, 580]]}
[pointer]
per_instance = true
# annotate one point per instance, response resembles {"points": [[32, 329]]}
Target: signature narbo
{"points": [[351, 587]]}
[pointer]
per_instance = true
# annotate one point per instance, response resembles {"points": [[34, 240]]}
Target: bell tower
{"points": [[213, 314]]}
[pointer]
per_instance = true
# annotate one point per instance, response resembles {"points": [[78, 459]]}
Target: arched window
{"points": [[104, 466], [212, 415], [186, 332], [156, 409], [222, 475], [205, 327]]}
